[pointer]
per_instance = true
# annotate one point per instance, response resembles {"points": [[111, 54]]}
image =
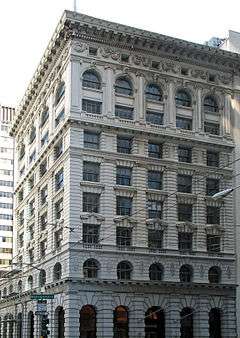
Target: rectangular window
{"points": [[91, 171], [32, 135], [44, 139], [183, 123], [43, 221], [6, 217], [8, 194], [124, 175], [43, 248], [43, 168], [44, 195], [185, 241], [91, 233], [58, 237], [184, 154], [124, 206], [32, 156], [154, 150], [154, 117], [91, 140], [21, 240], [31, 208], [58, 149], [31, 231], [184, 212], [212, 159], [154, 209], [59, 209], [123, 236], [31, 182], [44, 117], [124, 145], [59, 179], [91, 107], [212, 186], [124, 112], [91, 202], [213, 243], [212, 128], [60, 117], [184, 183], [213, 215], [6, 205], [21, 218], [6, 183], [155, 239], [154, 180], [31, 256]]}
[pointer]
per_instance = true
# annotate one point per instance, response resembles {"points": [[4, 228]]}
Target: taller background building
{"points": [[122, 139]]}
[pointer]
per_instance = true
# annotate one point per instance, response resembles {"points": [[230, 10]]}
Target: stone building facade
{"points": [[122, 139]]}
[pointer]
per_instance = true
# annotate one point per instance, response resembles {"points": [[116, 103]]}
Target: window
{"points": [[21, 218], [124, 175], [6, 205], [43, 221], [155, 239], [214, 275], [31, 181], [58, 238], [154, 209], [185, 241], [156, 272], [213, 215], [124, 57], [184, 71], [59, 179], [8, 194], [21, 240], [22, 152], [32, 156], [31, 256], [44, 117], [58, 149], [59, 209], [44, 139], [44, 194], [30, 282], [88, 322], [153, 92], [154, 180], [212, 186], [91, 107], [123, 86], [210, 105], [124, 270], [91, 80], [90, 268], [185, 212], [183, 98], [186, 274], [6, 183], [6, 217], [60, 117], [124, 206], [93, 51], [91, 233], [212, 128], [184, 154], [60, 93], [91, 171], [154, 150], [215, 325], [155, 64], [123, 236], [91, 202], [184, 183], [186, 320], [57, 272], [31, 208], [212, 159], [91, 140], [22, 170], [120, 322], [213, 243], [124, 112], [31, 231], [43, 168], [211, 78], [32, 135], [42, 278], [43, 248], [155, 323], [154, 117], [124, 145], [183, 123]]}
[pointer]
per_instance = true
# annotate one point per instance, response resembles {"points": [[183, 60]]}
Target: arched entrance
{"points": [[19, 325], [59, 315], [186, 317], [88, 322], [10, 326], [120, 322], [215, 323], [30, 324], [154, 323]]}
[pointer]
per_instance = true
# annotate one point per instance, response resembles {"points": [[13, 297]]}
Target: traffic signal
{"points": [[44, 327]]}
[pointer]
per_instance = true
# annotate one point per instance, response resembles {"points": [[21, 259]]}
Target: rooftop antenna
{"points": [[75, 5]]}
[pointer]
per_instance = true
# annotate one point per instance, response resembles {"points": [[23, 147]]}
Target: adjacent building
{"points": [[122, 139]]}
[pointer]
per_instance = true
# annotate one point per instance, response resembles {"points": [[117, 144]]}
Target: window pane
{"points": [[92, 107], [123, 236], [212, 159], [212, 128], [91, 233], [154, 150], [154, 180], [123, 86], [213, 215], [185, 212], [213, 243], [154, 117], [91, 140], [155, 239], [212, 186], [183, 123], [124, 206], [124, 112], [154, 209], [91, 202], [185, 241], [124, 175], [91, 80], [184, 183], [91, 171], [124, 145], [184, 154]]}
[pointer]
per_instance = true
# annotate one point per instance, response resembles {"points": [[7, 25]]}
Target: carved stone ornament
{"points": [[172, 269], [228, 271], [105, 52], [169, 67], [80, 47], [186, 227], [199, 73], [156, 223], [201, 271], [115, 55], [137, 59]]}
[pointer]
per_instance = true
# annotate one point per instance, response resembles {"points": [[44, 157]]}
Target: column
{"points": [[199, 183], [105, 316], [197, 118], [73, 86], [172, 318], [171, 106], [137, 317], [71, 315], [228, 319], [226, 115], [200, 319], [140, 98], [108, 95]]}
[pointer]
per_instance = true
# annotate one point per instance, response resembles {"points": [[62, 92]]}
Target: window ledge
{"points": [[94, 90]]}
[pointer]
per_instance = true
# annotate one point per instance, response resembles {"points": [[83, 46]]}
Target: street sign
{"points": [[42, 296]]}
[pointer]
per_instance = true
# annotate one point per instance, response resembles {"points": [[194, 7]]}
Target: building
{"points": [[6, 187], [232, 42], [122, 139]]}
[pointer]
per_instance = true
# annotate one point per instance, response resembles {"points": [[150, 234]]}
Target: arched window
{"points": [[91, 80], [156, 272], [154, 323], [123, 86], [88, 322], [30, 325], [153, 92], [20, 288], [42, 278], [120, 322], [183, 98], [210, 104], [4, 292], [215, 323], [186, 274], [10, 326], [59, 93], [124, 270], [59, 317], [186, 327], [57, 272], [19, 325], [214, 274], [5, 325], [10, 289], [30, 282], [90, 268]]}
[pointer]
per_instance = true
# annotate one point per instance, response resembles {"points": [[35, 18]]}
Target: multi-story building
{"points": [[122, 139], [6, 187]]}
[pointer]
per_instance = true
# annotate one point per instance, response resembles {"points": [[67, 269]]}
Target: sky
{"points": [[26, 27]]}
